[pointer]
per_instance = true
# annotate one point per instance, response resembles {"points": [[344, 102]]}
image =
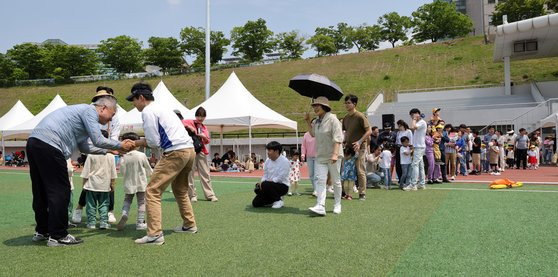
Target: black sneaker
{"points": [[446, 181], [68, 240], [38, 237], [361, 197]]}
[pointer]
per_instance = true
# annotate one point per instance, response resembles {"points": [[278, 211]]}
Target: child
{"points": [[99, 173], [294, 173], [510, 158], [406, 159], [484, 158], [135, 169], [70, 167], [532, 154], [348, 173], [385, 164], [494, 154], [249, 165]]}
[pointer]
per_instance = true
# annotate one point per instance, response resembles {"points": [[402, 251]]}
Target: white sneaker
{"points": [[492, 173], [330, 189], [290, 194], [408, 188], [318, 209], [182, 229], [453, 178], [421, 187], [141, 226], [147, 240], [37, 237], [122, 222], [414, 188], [497, 173], [104, 225], [277, 204], [91, 226], [76, 217], [355, 189], [194, 199], [111, 218], [337, 209]]}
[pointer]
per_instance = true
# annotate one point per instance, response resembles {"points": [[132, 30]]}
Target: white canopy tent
{"points": [[15, 116], [22, 131], [131, 122], [551, 121], [233, 107]]}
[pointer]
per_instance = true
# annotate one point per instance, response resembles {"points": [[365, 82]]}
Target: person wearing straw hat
{"points": [[329, 136]]}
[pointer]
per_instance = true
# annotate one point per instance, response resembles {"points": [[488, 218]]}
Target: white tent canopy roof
{"points": [[164, 97], [24, 129], [233, 107], [15, 116], [550, 121], [131, 121]]}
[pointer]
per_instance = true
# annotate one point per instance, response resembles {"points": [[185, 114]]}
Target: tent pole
{"points": [[221, 137], [3, 150], [297, 150], [250, 135]]}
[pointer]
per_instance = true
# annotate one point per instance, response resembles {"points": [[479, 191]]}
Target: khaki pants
{"points": [[360, 165], [202, 167], [174, 167]]}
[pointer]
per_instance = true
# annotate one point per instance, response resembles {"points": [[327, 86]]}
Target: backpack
{"points": [[198, 144]]}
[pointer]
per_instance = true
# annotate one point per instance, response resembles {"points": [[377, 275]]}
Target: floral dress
{"points": [[294, 173]]}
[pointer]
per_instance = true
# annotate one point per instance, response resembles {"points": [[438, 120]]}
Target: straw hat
{"points": [[101, 93], [322, 100], [435, 110]]}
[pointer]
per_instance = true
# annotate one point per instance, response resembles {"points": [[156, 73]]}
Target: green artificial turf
{"points": [[439, 231]]}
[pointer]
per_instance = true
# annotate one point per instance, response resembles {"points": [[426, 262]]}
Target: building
{"points": [[480, 12]]}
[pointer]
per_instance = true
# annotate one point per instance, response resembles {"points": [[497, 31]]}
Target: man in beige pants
{"points": [[200, 164], [163, 129]]}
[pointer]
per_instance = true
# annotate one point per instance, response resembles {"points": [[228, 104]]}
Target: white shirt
{"points": [[405, 155], [135, 169], [420, 134], [385, 161], [99, 170], [277, 171], [400, 134], [164, 129]]}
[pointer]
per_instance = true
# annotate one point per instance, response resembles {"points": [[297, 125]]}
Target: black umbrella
{"points": [[314, 85]]}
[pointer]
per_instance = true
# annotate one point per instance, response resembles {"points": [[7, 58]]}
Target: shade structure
{"points": [[15, 116], [22, 131], [314, 85], [550, 121], [233, 107], [164, 97], [131, 122]]}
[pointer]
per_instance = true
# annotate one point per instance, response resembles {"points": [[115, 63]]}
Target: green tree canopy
{"points": [[122, 53], [290, 45], [366, 37], [552, 5], [62, 61], [438, 20], [193, 43], [340, 35], [252, 40], [29, 58], [324, 44], [6, 67], [164, 52], [517, 10], [394, 27]]}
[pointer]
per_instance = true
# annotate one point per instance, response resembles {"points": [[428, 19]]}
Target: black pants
{"points": [[521, 158], [81, 201], [269, 193], [398, 169], [50, 187], [443, 167]]}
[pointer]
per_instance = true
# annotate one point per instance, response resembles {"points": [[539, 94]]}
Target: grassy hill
{"points": [[454, 63]]}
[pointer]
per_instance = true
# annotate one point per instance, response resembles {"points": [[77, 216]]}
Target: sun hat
{"points": [[510, 132], [322, 100], [435, 110], [101, 93]]}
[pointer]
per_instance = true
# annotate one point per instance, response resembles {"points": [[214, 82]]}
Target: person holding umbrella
{"points": [[329, 136]]}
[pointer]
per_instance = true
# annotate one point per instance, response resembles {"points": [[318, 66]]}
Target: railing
{"points": [[528, 119], [256, 135], [448, 88]]}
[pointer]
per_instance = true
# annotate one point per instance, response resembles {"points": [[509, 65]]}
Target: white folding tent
{"points": [[22, 131], [15, 116], [550, 121], [233, 107], [131, 122]]}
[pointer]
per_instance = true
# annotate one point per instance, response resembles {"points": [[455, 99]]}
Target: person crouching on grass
{"points": [[275, 181], [99, 174], [135, 169], [163, 129]]}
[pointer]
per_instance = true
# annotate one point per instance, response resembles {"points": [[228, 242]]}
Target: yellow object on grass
{"points": [[504, 183]]}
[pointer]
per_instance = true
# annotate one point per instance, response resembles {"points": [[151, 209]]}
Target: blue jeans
{"points": [[387, 176], [463, 165], [485, 165], [372, 179], [547, 155], [406, 173], [311, 161], [417, 165]]}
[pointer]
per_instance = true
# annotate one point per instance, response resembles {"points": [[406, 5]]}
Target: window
{"points": [[519, 46], [531, 45], [525, 46]]}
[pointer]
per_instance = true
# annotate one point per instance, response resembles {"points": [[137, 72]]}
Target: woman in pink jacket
{"points": [[308, 154]]}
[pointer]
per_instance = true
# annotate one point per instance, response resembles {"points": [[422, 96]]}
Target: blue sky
{"points": [[77, 22]]}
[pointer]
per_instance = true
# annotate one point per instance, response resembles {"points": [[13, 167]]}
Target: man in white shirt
{"points": [[164, 130], [418, 125], [275, 181]]}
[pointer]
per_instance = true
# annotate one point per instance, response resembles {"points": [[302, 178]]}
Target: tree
{"points": [[193, 43], [552, 5], [394, 27], [252, 40], [62, 61], [340, 35], [366, 37], [29, 58], [324, 45], [438, 20], [6, 67], [517, 10], [290, 45], [164, 52], [123, 53]]}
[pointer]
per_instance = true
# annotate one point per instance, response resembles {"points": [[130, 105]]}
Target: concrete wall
{"points": [[548, 89], [460, 93]]}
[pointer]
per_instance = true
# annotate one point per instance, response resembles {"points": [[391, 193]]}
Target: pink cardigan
{"points": [[308, 148], [190, 122]]}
